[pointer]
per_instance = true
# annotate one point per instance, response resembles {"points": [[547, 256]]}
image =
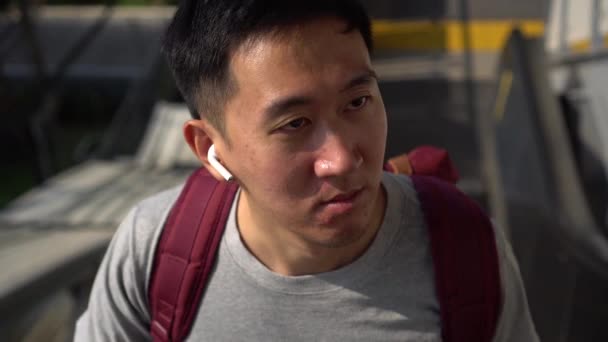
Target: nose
{"points": [[338, 156]]}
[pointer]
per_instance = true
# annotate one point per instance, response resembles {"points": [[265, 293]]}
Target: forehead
{"points": [[320, 51]]}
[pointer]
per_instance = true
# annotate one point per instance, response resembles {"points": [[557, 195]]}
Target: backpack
{"points": [[463, 249]]}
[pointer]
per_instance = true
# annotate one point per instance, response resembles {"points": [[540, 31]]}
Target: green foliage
{"points": [[16, 179]]}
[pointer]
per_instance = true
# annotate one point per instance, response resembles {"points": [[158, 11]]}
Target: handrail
{"points": [[581, 57]]}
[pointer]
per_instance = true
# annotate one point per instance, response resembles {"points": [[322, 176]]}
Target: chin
{"points": [[339, 236], [346, 228]]}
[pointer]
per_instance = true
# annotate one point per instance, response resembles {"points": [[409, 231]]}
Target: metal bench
{"points": [[53, 237]]}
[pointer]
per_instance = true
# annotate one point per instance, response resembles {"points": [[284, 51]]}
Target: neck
{"points": [[287, 253]]}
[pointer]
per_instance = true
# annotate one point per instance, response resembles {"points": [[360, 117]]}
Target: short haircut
{"points": [[204, 33]]}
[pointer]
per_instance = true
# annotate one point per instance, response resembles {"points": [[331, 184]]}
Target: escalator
{"points": [[537, 190]]}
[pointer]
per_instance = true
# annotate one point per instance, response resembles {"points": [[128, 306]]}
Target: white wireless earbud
{"points": [[212, 157]]}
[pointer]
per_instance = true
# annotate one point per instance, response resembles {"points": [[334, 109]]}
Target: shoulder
{"points": [[134, 242], [515, 321], [121, 283], [144, 224], [149, 214]]}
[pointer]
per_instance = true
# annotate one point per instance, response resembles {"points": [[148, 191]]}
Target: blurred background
{"points": [[516, 91]]}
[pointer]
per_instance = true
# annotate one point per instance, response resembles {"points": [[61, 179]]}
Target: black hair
{"points": [[203, 34]]}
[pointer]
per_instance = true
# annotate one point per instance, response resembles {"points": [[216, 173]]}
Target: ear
{"points": [[200, 135]]}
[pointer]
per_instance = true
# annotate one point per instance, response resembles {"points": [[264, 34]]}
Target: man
{"points": [[320, 244]]}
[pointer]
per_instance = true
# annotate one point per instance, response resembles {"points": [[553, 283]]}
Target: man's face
{"points": [[307, 132]]}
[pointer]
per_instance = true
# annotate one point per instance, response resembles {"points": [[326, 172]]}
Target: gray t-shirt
{"points": [[387, 294]]}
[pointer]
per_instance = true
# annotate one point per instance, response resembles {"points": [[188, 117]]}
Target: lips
{"points": [[339, 205], [344, 197]]}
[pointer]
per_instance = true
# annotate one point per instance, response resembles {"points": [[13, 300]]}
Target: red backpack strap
{"points": [[186, 253], [424, 160], [465, 260]]}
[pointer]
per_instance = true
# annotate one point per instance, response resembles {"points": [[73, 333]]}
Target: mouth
{"points": [[343, 197], [340, 204]]}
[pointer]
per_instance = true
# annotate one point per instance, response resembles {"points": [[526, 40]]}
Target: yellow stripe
{"points": [[504, 88], [584, 45], [447, 35]]}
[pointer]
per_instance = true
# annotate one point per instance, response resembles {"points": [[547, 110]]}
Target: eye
{"points": [[295, 125], [358, 103]]}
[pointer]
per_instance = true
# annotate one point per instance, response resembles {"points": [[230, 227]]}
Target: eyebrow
{"points": [[367, 77], [283, 105]]}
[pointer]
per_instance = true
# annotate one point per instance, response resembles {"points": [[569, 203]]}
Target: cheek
{"points": [[294, 179], [278, 178], [373, 134]]}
